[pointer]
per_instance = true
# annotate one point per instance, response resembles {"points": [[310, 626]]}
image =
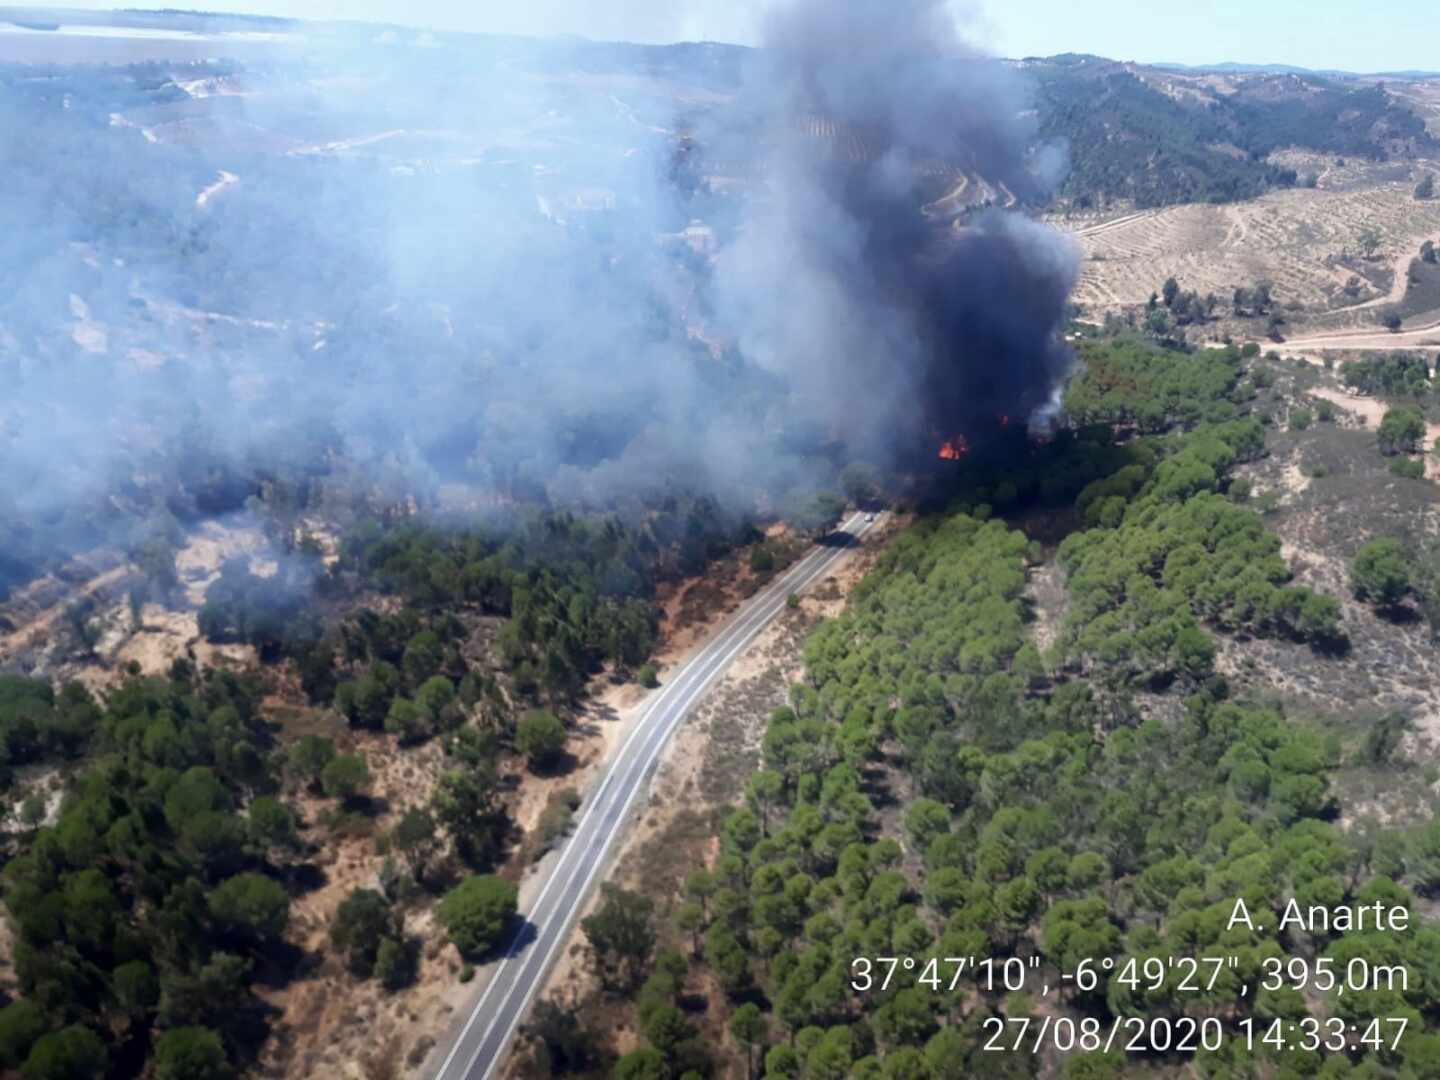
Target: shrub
{"points": [[541, 736], [1380, 573], [252, 905], [1300, 419], [394, 964], [762, 559], [361, 922], [648, 676], [345, 777], [72, 1052], [476, 913], [1408, 468], [407, 720], [21, 1023], [190, 1053], [555, 820], [310, 755], [1401, 430]]}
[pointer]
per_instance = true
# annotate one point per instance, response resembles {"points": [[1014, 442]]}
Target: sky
{"points": [[1305, 33]]}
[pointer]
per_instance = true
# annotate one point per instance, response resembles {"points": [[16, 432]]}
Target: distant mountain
{"points": [[1143, 134], [1232, 68], [1154, 136]]}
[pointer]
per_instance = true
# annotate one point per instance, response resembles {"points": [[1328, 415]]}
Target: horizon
{"points": [[1003, 32]]}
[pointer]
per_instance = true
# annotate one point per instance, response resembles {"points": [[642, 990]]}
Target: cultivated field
{"points": [[1305, 241]]}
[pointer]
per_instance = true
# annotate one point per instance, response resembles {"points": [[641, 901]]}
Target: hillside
{"points": [[1152, 137], [1064, 721]]}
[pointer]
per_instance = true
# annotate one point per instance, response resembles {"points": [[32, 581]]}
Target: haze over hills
{"points": [[572, 145], [1230, 66], [393, 419]]}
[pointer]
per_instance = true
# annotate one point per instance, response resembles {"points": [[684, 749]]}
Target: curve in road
{"points": [[482, 1042]]}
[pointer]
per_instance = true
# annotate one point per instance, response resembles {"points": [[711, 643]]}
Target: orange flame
{"points": [[954, 449]]}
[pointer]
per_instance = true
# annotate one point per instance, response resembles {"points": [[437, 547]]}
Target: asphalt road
{"points": [[481, 1043]]}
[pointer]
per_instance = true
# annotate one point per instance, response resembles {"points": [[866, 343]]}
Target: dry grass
{"points": [[1304, 241], [1327, 491]]}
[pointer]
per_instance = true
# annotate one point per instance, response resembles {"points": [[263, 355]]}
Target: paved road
{"points": [[482, 1042]]}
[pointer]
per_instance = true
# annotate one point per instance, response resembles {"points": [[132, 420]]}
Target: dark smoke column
{"points": [[891, 318]]}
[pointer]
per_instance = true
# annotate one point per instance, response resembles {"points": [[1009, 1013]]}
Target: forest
{"points": [[939, 786], [1129, 140], [149, 905]]}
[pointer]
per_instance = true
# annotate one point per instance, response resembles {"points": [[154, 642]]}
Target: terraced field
{"points": [[1305, 242]]}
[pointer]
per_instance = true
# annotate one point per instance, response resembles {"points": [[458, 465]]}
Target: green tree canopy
{"points": [[1381, 572], [540, 736], [477, 912]]}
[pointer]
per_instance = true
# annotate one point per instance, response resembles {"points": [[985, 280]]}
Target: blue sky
{"points": [[1388, 35]]}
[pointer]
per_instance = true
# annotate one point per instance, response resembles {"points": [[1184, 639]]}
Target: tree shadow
{"points": [[370, 806], [600, 712], [694, 1003], [1336, 647], [522, 934], [302, 878], [279, 963], [753, 994], [248, 1027], [836, 539], [1399, 614], [563, 764]]}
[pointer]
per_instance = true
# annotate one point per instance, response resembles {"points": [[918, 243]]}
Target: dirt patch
{"points": [[1045, 593], [330, 1024], [1371, 411], [690, 608], [1293, 480], [199, 561]]}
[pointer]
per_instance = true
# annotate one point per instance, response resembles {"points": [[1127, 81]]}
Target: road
{"points": [[482, 1042]]}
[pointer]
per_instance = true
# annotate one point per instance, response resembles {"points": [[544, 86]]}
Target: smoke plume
{"points": [[382, 264], [899, 321]]}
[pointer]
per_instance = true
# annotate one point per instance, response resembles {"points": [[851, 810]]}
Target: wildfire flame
{"points": [[954, 449]]}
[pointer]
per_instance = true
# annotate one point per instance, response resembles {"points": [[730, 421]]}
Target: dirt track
{"points": [[1426, 335]]}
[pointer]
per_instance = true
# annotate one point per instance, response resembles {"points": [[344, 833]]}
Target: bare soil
{"points": [[1306, 242], [328, 1022]]}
